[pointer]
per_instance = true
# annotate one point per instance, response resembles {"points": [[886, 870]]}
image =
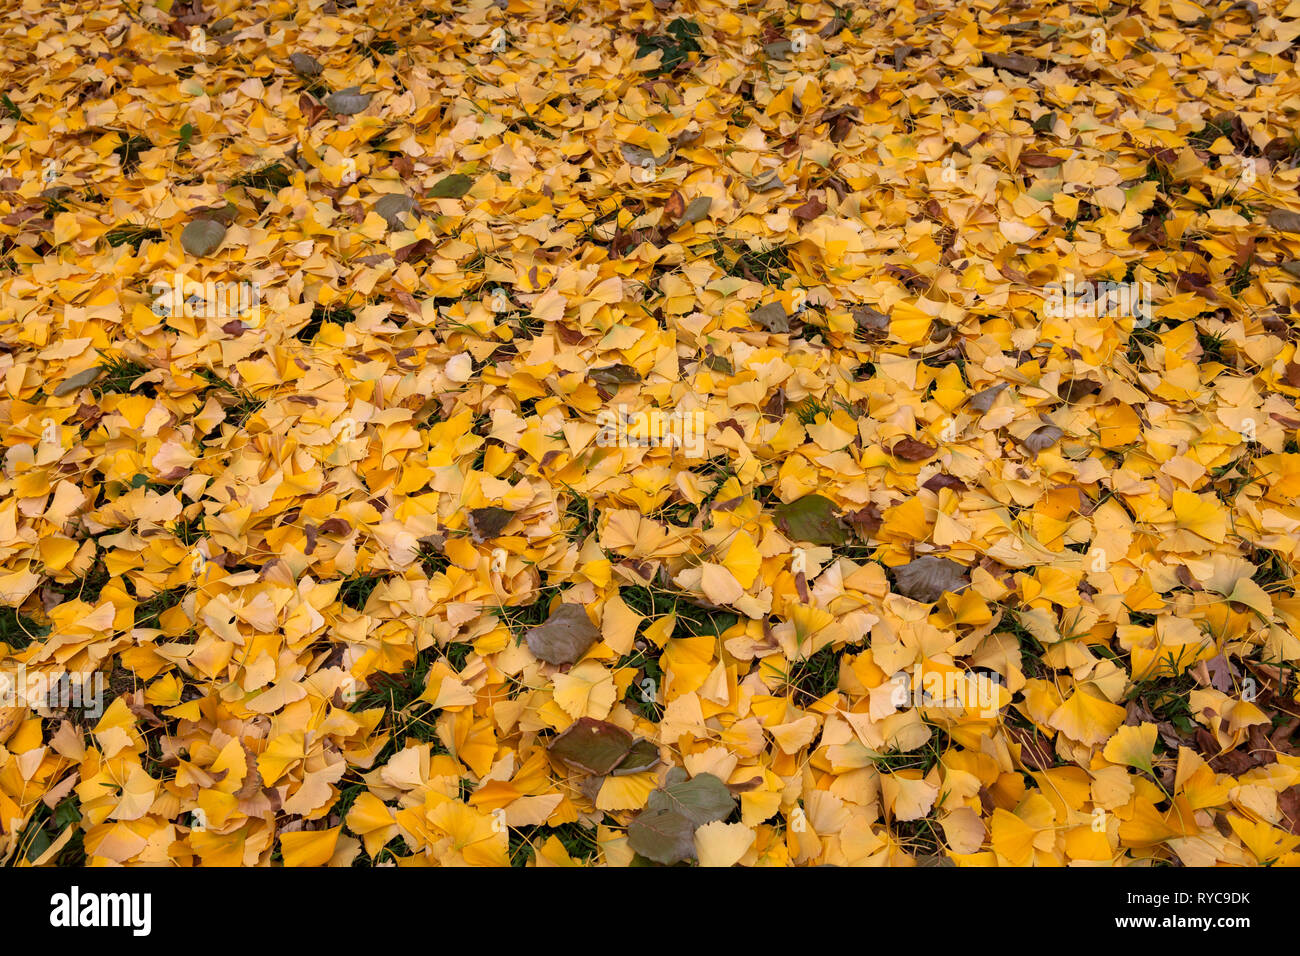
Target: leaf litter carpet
{"points": [[532, 434]]}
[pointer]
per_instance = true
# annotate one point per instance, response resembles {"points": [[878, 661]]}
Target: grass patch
{"points": [[45, 826], [189, 531], [677, 43], [1165, 695], [272, 176], [119, 375], [578, 841], [129, 151], [1211, 347], [769, 265], [922, 838], [18, 630], [579, 511], [816, 676], [923, 759], [88, 587], [432, 560], [404, 719], [148, 612], [356, 590], [652, 602], [239, 405], [647, 665], [320, 315], [11, 108], [1141, 337], [457, 654], [130, 234]]}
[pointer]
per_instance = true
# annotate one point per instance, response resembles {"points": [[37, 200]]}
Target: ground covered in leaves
{"points": [[518, 433]]}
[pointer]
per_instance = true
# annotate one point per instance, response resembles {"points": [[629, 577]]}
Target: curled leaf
{"points": [[347, 102], [909, 449], [305, 64], [1040, 438], [983, 401], [1012, 62], [643, 755], [486, 523], [927, 578]]}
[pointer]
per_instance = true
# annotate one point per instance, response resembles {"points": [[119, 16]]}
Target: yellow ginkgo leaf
{"points": [[722, 844], [309, 847], [1132, 746], [1087, 718]]}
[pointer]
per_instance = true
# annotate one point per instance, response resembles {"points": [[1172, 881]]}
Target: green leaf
{"points": [[67, 813], [684, 30], [451, 187], [614, 375], [811, 518], [665, 830], [719, 364], [40, 843], [697, 210], [676, 46], [79, 381], [202, 237], [662, 835], [701, 799]]}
